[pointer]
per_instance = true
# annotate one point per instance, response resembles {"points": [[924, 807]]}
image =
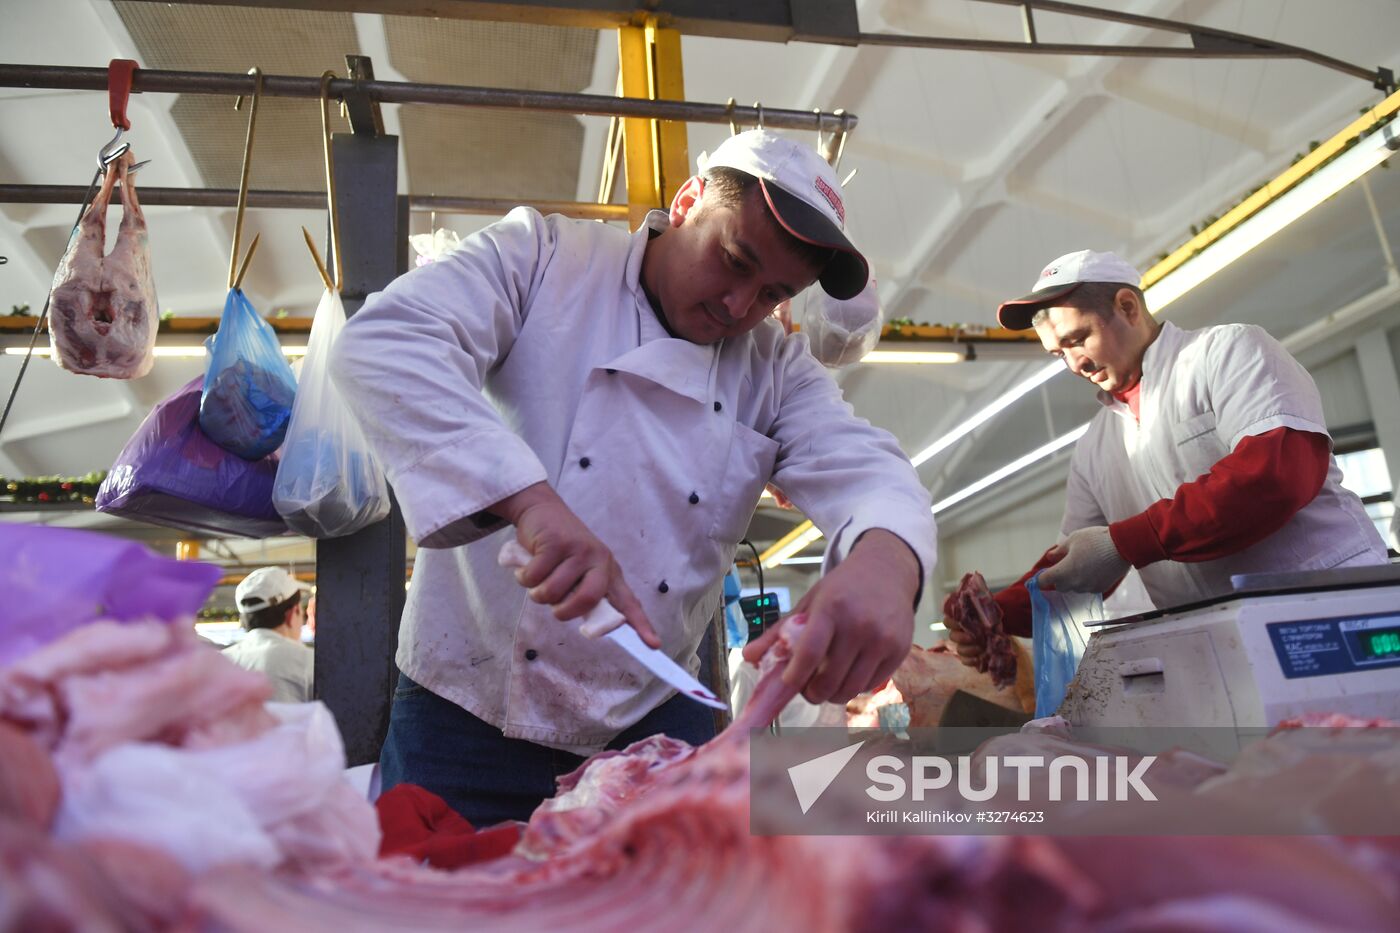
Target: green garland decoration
{"points": [[49, 490]]}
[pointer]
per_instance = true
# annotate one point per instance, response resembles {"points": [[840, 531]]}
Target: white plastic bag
{"points": [[841, 332], [328, 482]]}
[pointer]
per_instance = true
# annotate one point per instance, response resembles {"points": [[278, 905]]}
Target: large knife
{"points": [[604, 621]]}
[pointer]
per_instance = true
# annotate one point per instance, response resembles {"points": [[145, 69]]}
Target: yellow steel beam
{"points": [[1271, 192], [655, 152], [668, 83]]}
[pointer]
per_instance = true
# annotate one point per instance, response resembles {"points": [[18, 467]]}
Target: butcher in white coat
{"points": [[617, 402], [1209, 457]]}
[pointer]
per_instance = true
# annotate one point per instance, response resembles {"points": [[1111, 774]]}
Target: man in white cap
{"points": [[621, 400], [269, 606], [1210, 456]]}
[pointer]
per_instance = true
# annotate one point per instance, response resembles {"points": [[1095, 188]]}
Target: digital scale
{"points": [[1281, 645]]}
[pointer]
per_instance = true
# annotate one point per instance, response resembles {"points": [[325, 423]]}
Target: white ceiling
{"points": [[974, 169]]}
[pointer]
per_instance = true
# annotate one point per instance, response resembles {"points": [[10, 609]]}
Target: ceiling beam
{"points": [[987, 187], [769, 20]]}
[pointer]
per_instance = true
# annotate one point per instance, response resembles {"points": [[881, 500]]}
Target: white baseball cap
{"points": [[266, 586], [801, 190], [1063, 276]]}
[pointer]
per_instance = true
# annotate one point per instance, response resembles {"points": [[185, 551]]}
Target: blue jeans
{"points": [[487, 777]]}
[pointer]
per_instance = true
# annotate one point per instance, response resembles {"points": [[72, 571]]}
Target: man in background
{"points": [[269, 606]]}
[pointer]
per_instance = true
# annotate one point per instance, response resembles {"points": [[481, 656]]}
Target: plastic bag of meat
{"points": [[170, 474], [102, 310], [1058, 638], [56, 580], [328, 482], [249, 386]]}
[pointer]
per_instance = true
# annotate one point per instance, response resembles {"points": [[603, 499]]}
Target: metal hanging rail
{"points": [[1206, 41], [57, 77], [311, 200]]}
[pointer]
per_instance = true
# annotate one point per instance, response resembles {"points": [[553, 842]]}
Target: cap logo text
{"points": [[832, 198]]}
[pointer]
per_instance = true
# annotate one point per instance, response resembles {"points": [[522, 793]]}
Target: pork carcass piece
{"points": [[971, 609], [102, 310], [664, 842]]}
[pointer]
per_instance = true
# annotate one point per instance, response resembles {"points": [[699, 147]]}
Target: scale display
{"points": [[1316, 647]]}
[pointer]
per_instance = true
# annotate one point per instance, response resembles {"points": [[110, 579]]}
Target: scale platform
{"points": [[1280, 646]]}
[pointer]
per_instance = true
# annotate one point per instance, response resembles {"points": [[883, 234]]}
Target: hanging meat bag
{"points": [[249, 387], [170, 474], [328, 482], [102, 310]]}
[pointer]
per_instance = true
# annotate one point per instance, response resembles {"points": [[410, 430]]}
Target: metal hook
{"points": [[236, 271], [759, 107], [112, 151], [729, 111], [844, 135], [326, 78]]}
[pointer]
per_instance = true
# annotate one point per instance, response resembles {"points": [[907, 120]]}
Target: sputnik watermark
{"points": [[1057, 781], [1117, 778]]}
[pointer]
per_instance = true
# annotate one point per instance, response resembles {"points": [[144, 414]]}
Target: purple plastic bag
{"points": [[170, 474], [57, 579]]}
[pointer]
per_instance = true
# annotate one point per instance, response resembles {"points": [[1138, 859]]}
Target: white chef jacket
{"points": [[1203, 391], [532, 353], [289, 665]]}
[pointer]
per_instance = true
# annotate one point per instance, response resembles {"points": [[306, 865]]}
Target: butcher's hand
{"points": [[1090, 563], [570, 570], [860, 622], [968, 648]]}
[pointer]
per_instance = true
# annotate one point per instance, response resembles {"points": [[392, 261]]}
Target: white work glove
{"points": [[1091, 563]]}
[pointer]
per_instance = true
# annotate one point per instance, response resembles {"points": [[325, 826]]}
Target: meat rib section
{"points": [[971, 609], [102, 310]]}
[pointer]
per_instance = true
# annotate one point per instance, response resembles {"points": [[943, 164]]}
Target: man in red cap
{"points": [[621, 400], [1210, 456]]}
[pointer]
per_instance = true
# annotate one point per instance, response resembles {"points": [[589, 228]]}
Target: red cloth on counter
{"points": [[418, 823], [1248, 494]]}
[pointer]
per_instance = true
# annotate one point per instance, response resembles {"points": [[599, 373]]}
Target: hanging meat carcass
{"points": [[102, 311]]}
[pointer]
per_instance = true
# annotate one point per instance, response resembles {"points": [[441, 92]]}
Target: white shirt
{"points": [[289, 665], [532, 354], [1203, 391]]}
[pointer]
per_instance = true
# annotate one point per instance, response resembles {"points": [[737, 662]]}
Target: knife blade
{"points": [[604, 621], [660, 664]]}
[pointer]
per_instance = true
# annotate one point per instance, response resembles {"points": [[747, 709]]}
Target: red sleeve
{"points": [[1015, 602], [1248, 495]]}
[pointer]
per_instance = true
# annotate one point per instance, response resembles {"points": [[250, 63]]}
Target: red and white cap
{"points": [[1063, 276], [802, 192]]}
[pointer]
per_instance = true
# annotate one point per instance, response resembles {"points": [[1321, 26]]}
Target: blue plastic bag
{"points": [[1058, 638], [736, 627], [169, 473], [58, 579], [249, 387]]}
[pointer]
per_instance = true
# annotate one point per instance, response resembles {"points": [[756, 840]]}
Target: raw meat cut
{"points": [[102, 310], [971, 609], [159, 740], [658, 836], [927, 679], [28, 781], [664, 842]]}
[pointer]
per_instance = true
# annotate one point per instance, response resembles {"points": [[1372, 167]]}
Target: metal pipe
{"points": [[1121, 51], [311, 200], [1267, 48], [397, 92]]}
